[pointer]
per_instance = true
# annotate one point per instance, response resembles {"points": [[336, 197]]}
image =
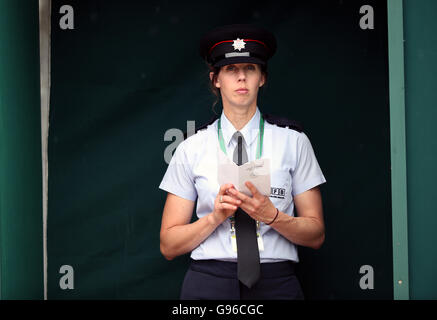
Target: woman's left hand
{"points": [[258, 207]]}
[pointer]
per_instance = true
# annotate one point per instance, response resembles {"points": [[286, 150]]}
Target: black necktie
{"points": [[245, 228]]}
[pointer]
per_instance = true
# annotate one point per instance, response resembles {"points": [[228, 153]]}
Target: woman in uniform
{"points": [[243, 244]]}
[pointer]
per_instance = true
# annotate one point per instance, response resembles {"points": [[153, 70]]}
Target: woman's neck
{"points": [[239, 117]]}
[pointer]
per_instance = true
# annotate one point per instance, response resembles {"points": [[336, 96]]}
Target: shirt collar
{"points": [[249, 131]]}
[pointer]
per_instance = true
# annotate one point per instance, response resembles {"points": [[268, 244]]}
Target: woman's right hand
{"points": [[225, 205]]}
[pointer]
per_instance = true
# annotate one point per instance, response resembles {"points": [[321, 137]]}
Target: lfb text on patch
{"points": [[277, 192]]}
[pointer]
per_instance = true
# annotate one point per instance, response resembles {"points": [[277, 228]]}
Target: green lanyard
{"points": [[259, 150], [259, 146]]}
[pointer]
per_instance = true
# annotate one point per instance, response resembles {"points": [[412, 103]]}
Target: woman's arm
{"points": [[307, 229], [178, 236]]}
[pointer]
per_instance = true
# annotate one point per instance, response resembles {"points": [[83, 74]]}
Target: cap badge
{"points": [[239, 44]]}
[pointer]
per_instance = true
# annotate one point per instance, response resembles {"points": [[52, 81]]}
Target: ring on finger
{"points": [[221, 199]]}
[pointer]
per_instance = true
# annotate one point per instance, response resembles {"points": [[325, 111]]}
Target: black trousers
{"points": [[217, 280]]}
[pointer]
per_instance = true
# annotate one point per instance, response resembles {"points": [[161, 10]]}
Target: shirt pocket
{"points": [[280, 189]]}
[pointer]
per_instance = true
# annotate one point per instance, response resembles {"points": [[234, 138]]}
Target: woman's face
{"points": [[239, 84]]}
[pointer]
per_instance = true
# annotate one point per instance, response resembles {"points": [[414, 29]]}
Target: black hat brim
{"points": [[234, 60]]}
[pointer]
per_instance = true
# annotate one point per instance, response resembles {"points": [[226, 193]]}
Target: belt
{"points": [[226, 269]]}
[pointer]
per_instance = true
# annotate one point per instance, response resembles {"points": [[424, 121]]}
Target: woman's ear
{"points": [[263, 80], [216, 81]]}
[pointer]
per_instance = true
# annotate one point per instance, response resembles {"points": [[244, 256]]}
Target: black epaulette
{"points": [[203, 126], [283, 122]]}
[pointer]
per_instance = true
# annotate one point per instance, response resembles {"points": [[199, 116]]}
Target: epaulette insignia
{"points": [[283, 122]]}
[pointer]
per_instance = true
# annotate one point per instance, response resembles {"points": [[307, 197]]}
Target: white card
{"points": [[256, 171]]}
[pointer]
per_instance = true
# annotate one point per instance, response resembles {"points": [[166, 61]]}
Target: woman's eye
{"points": [[230, 68], [251, 67]]}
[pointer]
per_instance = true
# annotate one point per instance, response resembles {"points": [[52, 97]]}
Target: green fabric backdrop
{"points": [[420, 24], [129, 71], [21, 243]]}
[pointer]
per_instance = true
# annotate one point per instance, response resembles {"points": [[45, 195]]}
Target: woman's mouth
{"points": [[242, 91]]}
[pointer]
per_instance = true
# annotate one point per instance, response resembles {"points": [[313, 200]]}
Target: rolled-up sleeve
{"points": [[178, 178], [307, 173]]}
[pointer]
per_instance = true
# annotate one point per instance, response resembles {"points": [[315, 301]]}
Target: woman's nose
{"points": [[241, 75]]}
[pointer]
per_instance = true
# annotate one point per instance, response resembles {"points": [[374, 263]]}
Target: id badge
{"points": [[259, 238], [234, 242]]}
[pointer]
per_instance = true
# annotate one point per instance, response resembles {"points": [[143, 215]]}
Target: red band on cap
{"points": [[233, 41]]}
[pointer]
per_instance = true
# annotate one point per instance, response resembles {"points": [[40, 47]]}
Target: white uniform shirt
{"points": [[192, 174]]}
